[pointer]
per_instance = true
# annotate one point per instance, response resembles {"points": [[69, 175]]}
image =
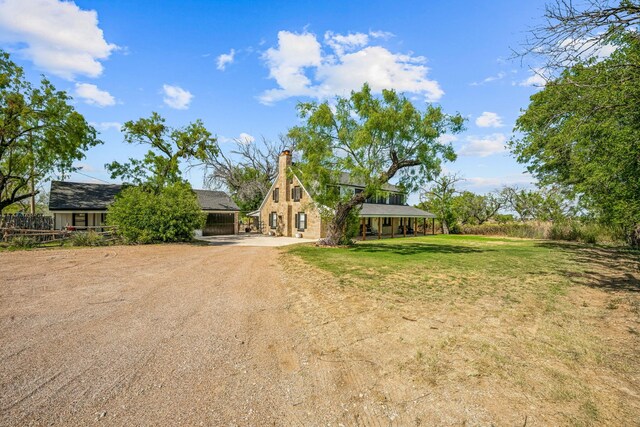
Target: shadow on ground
{"points": [[611, 269], [416, 248]]}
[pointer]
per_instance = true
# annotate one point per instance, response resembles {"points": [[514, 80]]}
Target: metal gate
{"points": [[219, 223]]}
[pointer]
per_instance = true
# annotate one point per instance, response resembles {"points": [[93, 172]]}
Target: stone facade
{"points": [[281, 200]]}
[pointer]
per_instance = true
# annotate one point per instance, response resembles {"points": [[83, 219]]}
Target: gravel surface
{"points": [[149, 335]]}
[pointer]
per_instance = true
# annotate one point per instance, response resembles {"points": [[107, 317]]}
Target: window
{"points": [[386, 221], [296, 193], [276, 195], [273, 220], [301, 221], [79, 220]]}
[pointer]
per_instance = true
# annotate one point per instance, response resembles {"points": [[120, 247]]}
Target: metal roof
{"points": [[374, 210], [346, 179], [84, 196], [211, 200], [81, 196]]}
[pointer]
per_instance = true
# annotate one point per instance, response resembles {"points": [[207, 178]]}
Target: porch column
{"points": [[393, 226], [433, 226], [379, 228], [364, 229]]}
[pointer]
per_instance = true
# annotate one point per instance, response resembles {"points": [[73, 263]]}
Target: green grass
{"points": [[537, 317], [440, 267]]}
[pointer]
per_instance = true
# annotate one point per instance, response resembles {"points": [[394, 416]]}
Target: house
{"points": [[84, 206], [289, 210]]}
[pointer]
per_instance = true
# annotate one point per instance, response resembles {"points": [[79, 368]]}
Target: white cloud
{"points": [[484, 146], [537, 78], [176, 97], [57, 36], [300, 68], [225, 59], [246, 138], [492, 183], [91, 95], [447, 138], [489, 120], [501, 75], [106, 126]]}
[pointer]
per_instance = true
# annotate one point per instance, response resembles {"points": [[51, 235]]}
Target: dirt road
{"points": [[145, 336], [202, 335]]}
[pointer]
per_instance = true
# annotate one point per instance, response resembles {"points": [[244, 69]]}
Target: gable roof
{"points": [[81, 196], [211, 200], [346, 179]]}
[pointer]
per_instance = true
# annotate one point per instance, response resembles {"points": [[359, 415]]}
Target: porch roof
{"points": [[374, 210]]}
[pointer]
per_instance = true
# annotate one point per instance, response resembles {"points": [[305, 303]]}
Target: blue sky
{"points": [[241, 66]]}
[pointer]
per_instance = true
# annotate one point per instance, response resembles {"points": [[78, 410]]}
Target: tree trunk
{"points": [[337, 227], [634, 237], [445, 227]]}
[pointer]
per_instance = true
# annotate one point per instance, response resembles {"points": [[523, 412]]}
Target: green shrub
{"points": [[576, 231], [22, 242], [89, 238], [171, 214]]}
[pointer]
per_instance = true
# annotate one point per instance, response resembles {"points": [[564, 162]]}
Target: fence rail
{"points": [[48, 236], [26, 221]]}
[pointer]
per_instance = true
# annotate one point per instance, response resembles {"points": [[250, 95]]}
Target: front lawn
{"points": [[549, 328]]}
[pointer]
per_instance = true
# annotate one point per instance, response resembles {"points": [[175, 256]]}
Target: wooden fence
{"points": [[52, 236], [26, 221]]}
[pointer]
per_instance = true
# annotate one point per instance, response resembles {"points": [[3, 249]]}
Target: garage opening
{"points": [[219, 224]]}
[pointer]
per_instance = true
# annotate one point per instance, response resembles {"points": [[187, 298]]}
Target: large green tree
{"points": [[168, 147], [374, 139], [582, 132], [40, 133], [440, 198]]}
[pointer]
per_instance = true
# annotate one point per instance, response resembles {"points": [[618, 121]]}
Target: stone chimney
{"points": [[284, 161]]}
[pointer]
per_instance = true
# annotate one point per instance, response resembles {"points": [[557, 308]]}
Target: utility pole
{"points": [[33, 178]]}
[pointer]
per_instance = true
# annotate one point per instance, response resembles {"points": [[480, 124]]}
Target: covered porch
{"points": [[389, 221]]}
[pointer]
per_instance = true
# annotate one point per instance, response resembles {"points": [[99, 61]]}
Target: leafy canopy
{"points": [[582, 132], [373, 139], [168, 147], [168, 215], [40, 133]]}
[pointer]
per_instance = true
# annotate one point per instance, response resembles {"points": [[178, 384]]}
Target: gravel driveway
{"points": [[151, 335]]}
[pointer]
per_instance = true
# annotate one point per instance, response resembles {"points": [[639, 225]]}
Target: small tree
{"points": [[439, 199], [40, 133], [162, 206], [246, 171], [373, 139], [169, 214], [474, 208], [168, 147]]}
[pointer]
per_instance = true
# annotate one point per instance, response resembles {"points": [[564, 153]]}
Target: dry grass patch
{"points": [[510, 329]]}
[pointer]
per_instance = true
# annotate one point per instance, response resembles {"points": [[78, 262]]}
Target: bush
{"points": [[171, 214], [570, 230], [22, 242], [89, 238]]}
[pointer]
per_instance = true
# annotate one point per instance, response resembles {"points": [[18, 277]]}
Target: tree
{"points": [[474, 208], [161, 206], [168, 146], [40, 133], [374, 139], [247, 171], [439, 199], [169, 214], [575, 32], [585, 136]]}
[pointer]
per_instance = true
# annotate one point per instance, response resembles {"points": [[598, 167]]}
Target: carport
{"points": [[222, 213]]}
